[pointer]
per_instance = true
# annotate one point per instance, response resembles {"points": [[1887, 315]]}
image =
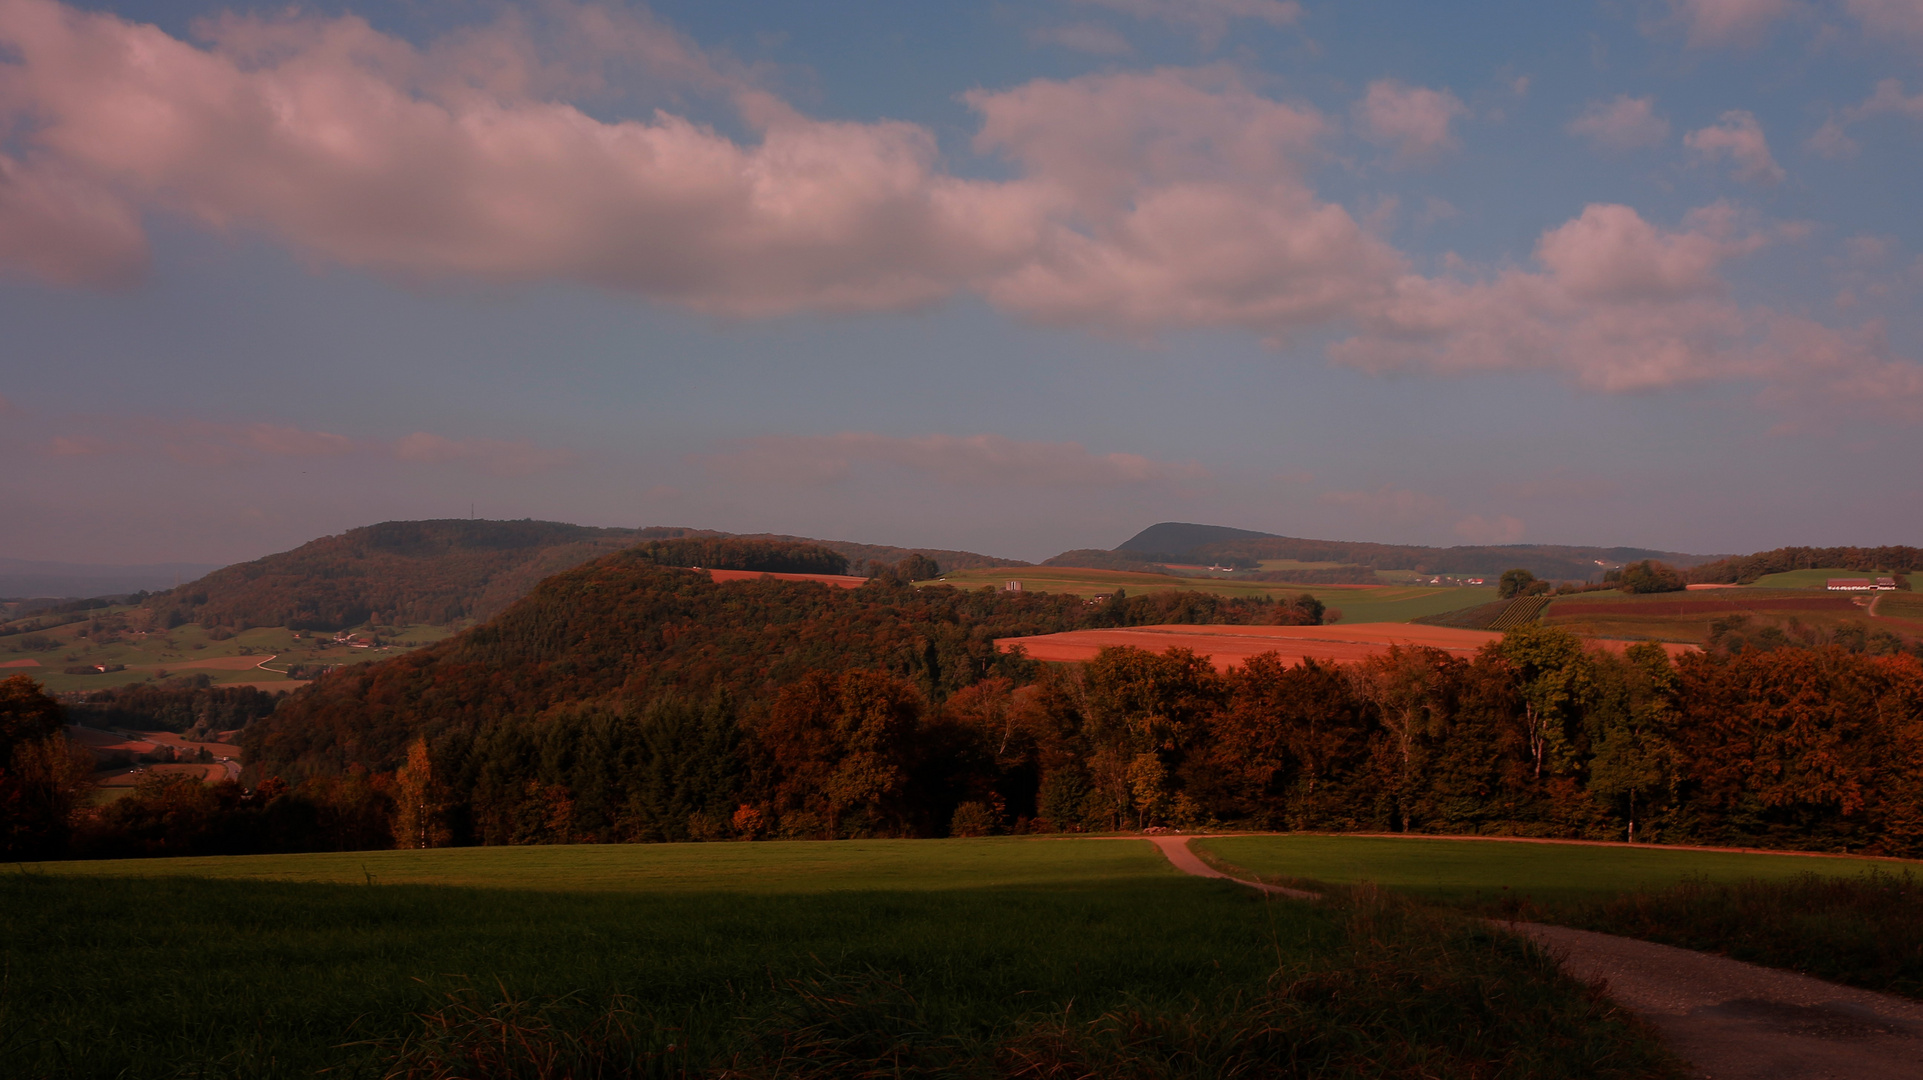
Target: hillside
{"points": [[1183, 542], [633, 628], [441, 573]]}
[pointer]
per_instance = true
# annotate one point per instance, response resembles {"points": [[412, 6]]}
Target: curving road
{"points": [[1730, 1020]]}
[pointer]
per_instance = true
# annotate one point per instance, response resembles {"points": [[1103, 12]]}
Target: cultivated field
{"points": [[1358, 603], [1468, 869], [844, 581], [257, 657], [1687, 616], [1233, 645], [931, 958]]}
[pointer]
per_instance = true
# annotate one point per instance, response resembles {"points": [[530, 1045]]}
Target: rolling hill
{"points": [[1185, 542], [444, 572]]}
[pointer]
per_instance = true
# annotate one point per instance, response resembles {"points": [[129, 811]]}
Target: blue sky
{"points": [[1012, 278]]}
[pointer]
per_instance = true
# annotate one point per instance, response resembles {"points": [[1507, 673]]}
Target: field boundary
{"points": [[1570, 843]]}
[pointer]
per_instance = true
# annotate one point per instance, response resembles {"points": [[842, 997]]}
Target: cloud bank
{"points": [[1133, 204]]}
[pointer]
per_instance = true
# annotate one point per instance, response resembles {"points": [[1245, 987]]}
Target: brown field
{"points": [[1227, 646], [843, 580], [20, 663], [1230, 645], [208, 774], [1687, 616]]}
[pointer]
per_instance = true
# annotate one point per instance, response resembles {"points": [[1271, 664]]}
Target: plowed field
{"points": [[842, 580], [1227, 646]]}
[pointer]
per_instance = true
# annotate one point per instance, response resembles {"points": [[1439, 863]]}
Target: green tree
{"points": [[1634, 757], [1650, 576], [1514, 583], [1551, 672]]}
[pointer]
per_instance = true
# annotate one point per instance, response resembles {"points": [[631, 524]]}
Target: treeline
{"points": [[1176, 542], [1745, 569], [182, 704], [1804, 749]]}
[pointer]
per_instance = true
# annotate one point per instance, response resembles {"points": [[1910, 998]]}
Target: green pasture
{"points": [[266, 967], [1808, 579], [1468, 870], [834, 958], [1701, 608], [158, 654], [799, 866], [1358, 603]]}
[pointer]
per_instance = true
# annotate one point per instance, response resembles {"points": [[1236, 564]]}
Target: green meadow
{"points": [[1470, 871], [927, 958], [1358, 603]]}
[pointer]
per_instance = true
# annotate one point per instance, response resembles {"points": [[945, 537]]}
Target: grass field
{"points": [[1808, 579], [1686, 616], [926, 958], [1358, 603], [1473, 871], [185, 650]]}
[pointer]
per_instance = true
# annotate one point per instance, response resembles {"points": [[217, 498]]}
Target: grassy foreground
{"points": [[1005, 957], [1483, 871]]}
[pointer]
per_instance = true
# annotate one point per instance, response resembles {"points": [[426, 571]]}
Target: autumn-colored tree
{"points": [[1409, 686], [42, 777], [419, 808], [1145, 712]]}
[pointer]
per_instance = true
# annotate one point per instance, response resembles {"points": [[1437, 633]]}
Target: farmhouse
{"points": [[1852, 584]]}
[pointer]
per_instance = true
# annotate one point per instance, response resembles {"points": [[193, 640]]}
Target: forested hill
{"points": [[1174, 541], [1743, 569], [633, 629], [443, 572]]}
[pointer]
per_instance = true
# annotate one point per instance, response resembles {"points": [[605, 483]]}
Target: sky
{"points": [[1006, 277]]}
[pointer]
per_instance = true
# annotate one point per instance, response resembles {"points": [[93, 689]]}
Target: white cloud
{"points": [[1737, 137], [968, 460], [1622, 124], [1413, 119]]}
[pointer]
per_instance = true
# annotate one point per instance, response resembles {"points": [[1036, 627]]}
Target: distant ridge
{"points": [[24, 579], [1187, 542]]}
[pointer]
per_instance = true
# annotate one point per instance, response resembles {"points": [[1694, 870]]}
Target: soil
{"points": [[1230, 645]]}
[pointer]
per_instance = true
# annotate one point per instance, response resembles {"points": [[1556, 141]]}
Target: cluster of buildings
{"points": [[1861, 584]]}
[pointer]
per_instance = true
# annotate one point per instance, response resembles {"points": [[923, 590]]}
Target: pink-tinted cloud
{"points": [[199, 442], [972, 460], [1093, 38], [494, 457], [1738, 138], [1387, 504], [1209, 19], [1889, 18], [1413, 119], [1501, 529], [1183, 204], [1888, 99], [1715, 23], [1623, 124]]}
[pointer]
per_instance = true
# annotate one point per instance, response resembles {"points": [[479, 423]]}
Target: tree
{"points": [[1650, 576], [1634, 755], [1552, 676], [1514, 583], [42, 776], [1407, 687], [418, 798]]}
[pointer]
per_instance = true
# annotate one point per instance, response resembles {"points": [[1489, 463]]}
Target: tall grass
{"points": [[1866, 931], [180, 977], [1406, 993]]}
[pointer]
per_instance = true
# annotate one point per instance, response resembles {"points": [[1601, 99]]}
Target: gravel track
{"points": [[1728, 1019]]}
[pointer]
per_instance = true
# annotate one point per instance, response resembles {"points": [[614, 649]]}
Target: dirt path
{"points": [[1176, 848], [1731, 1020]]}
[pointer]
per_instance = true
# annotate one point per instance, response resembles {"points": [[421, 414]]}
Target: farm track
{"points": [[1728, 1019]]}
